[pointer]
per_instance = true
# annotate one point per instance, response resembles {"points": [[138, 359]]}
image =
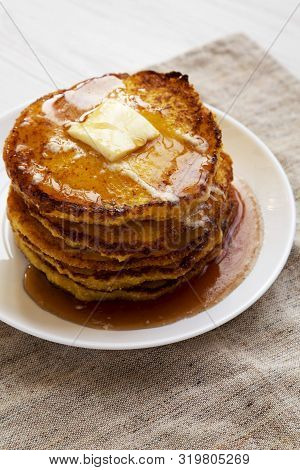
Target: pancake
{"points": [[22, 222], [136, 237], [133, 229], [109, 281], [173, 234], [63, 177], [143, 292]]}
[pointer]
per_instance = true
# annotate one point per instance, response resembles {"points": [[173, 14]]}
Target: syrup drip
{"points": [[220, 278]]}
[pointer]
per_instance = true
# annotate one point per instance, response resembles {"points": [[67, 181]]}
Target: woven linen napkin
{"points": [[235, 387]]}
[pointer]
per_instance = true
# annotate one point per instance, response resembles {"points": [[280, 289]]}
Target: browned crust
{"points": [[187, 110], [174, 235], [22, 221], [145, 291]]}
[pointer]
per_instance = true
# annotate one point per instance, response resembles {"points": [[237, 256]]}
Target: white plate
{"points": [[255, 164]]}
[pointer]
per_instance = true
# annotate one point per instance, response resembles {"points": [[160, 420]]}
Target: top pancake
{"points": [[66, 178]]}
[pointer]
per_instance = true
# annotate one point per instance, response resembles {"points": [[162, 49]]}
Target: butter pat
{"points": [[114, 129]]}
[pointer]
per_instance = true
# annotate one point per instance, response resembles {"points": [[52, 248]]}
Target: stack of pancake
{"points": [[134, 229]]}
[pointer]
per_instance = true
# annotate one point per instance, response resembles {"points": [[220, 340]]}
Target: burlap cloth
{"points": [[235, 387]]}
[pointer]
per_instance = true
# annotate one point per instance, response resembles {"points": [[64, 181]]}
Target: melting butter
{"points": [[198, 142], [57, 145], [166, 195], [114, 129]]}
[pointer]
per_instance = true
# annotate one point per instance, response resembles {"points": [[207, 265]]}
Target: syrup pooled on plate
{"points": [[220, 278]]}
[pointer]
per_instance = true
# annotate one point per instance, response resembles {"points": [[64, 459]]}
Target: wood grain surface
{"points": [[75, 39]]}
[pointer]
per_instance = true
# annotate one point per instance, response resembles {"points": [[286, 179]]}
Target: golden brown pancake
{"points": [[136, 237], [76, 183], [145, 291], [105, 280], [55, 246], [103, 233], [109, 281]]}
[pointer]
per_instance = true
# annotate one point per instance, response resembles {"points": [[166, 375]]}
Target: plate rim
{"points": [[150, 343]]}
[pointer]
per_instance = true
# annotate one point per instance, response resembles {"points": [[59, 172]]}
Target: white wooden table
{"points": [[75, 39]]}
